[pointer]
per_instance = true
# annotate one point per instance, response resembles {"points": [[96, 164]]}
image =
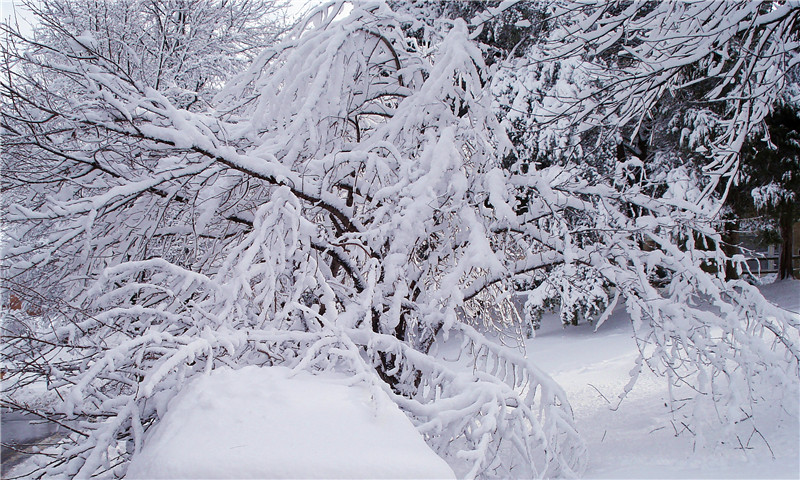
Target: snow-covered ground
{"points": [[638, 440]]}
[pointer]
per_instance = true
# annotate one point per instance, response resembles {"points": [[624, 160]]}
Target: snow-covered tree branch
{"points": [[727, 62]]}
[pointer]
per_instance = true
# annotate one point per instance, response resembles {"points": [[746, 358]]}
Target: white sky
{"points": [[10, 8], [296, 7]]}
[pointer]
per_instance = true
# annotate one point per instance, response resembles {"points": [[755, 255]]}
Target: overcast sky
{"points": [[9, 7]]}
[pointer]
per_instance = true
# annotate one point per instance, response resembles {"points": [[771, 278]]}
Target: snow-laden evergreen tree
{"points": [[635, 90], [346, 204], [769, 182], [729, 60]]}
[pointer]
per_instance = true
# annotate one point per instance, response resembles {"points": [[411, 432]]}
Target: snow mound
{"points": [[272, 422]]}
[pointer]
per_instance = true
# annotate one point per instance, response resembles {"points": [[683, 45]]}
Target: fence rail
{"points": [[769, 264]]}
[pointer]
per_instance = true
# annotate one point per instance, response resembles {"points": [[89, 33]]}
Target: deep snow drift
{"points": [[272, 423]]}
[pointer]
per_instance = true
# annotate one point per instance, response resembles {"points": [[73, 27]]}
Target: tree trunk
{"points": [[730, 245], [785, 269]]}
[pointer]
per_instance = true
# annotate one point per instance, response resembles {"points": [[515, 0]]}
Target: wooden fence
{"points": [[764, 265]]}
